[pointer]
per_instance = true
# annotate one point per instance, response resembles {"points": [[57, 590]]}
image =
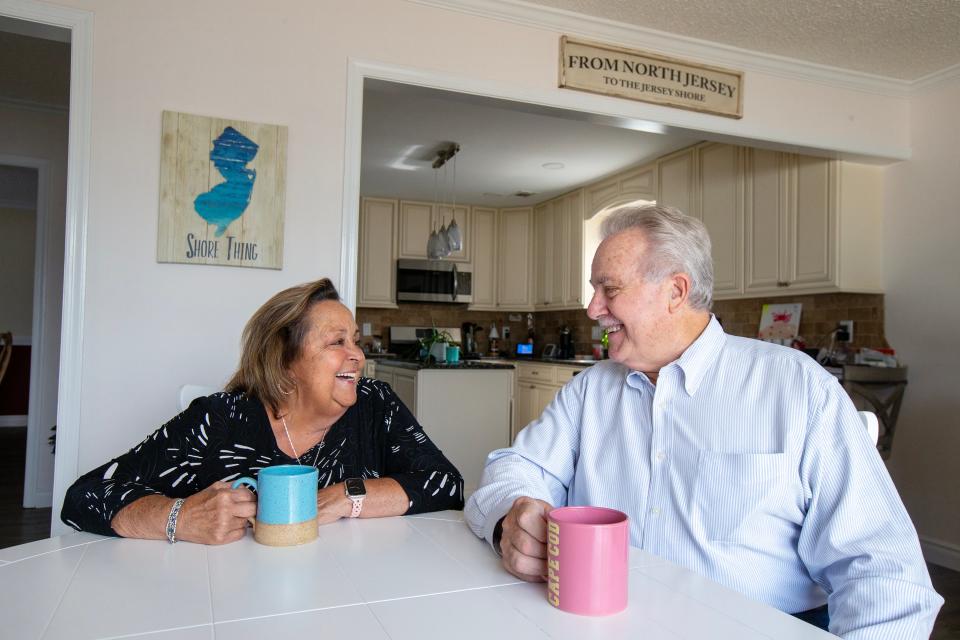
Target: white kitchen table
{"points": [[391, 578]]}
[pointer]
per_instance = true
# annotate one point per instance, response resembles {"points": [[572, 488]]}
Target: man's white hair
{"points": [[677, 243]]}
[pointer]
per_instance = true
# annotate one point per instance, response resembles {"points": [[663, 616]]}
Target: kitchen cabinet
{"points": [[558, 252], [377, 255], [483, 236], [779, 223], [543, 254], [532, 399], [720, 194], [418, 219], [677, 180], [537, 385], [405, 386], [791, 219], [572, 263], [515, 260]]}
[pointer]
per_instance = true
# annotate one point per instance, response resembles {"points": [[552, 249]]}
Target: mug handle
{"points": [[250, 482]]}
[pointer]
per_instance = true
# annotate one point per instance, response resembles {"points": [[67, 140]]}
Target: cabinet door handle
{"points": [[532, 387], [783, 284]]}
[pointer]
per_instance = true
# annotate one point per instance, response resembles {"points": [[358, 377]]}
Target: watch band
{"points": [[357, 505]]}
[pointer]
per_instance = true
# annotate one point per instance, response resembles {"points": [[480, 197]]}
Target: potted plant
{"points": [[435, 345]]}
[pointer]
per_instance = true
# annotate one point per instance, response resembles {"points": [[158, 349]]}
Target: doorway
{"points": [[34, 125]]}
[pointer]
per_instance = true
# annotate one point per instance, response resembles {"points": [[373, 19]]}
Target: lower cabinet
{"points": [[537, 385], [405, 386], [532, 399]]}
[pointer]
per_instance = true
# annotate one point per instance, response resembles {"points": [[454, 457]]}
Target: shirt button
{"points": [[661, 456], [655, 511]]}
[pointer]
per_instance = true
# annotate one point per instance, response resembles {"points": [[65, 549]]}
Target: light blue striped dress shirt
{"points": [[746, 463]]}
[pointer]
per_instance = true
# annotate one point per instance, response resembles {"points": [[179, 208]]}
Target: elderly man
{"points": [[741, 460]]}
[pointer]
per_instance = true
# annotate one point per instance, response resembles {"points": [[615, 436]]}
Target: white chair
{"points": [[872, 424], [189, 392]]}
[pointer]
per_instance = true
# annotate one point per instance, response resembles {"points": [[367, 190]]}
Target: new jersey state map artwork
{"points": [[222, 186]]}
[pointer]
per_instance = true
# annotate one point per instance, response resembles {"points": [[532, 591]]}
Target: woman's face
{"points": [[330, 362]]}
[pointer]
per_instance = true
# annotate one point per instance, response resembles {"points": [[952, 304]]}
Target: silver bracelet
{"points": [[172, 520]]}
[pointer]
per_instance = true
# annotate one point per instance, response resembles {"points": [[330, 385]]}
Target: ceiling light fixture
{"points": [[553, 165], [449, 238]]}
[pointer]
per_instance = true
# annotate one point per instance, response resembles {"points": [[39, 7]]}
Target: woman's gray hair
{"points": [[678, 243]]}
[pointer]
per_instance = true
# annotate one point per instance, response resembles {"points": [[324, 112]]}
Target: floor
{"points": [[18, 525]]}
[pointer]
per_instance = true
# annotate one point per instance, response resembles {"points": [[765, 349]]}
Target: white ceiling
{"points": [[503, 146], [900, 39]]}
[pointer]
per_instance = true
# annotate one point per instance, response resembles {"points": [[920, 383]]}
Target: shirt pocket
{"points": [[733, 487]]}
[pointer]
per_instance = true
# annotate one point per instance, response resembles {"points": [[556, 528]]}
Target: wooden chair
{"points": [[6, 352], [189, 392], [871, 424], [879, 390]]}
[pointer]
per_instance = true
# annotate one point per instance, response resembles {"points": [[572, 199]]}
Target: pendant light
{"points": [[454, 238], [449, 238]]}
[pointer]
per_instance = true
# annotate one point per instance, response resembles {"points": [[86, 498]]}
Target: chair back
{"points": [[190, 392], [6, 352], [872, 424], [879, 390]]}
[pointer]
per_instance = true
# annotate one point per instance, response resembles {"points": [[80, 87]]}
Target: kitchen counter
{"points": [[463, 365], [578, 362]]}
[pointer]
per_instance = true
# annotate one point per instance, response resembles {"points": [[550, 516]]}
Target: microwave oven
{"points": [[433, 281]]}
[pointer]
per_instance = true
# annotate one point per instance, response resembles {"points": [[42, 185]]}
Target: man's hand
{"points": [[216, 515], [523, 544]]}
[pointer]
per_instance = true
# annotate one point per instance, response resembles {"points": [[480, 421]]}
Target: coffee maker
{"points": [[468, 333], [567, 349]]}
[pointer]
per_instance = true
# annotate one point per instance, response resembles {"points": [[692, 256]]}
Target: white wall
{"points": [[17, 232], [150, 327], [922, 263], [42, 136]]}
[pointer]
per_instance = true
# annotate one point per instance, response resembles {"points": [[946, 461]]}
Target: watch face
{"points": [[355, 487]]}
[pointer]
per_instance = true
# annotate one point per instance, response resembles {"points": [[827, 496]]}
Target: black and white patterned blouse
{"points": [[228, 435]]}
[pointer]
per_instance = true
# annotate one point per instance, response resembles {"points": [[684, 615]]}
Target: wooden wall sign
{"points": [[626, 73], [222, 187]]}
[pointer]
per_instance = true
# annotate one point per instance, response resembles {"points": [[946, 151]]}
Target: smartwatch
{"points": [[356, 491]]}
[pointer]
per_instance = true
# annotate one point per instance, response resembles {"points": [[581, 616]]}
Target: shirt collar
{"points": [[700, 355]]}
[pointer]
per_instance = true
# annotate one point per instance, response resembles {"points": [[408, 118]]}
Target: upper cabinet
{"points": [[775, 219], [377, 255], [483, 237], [515, 260], [418, 219], [558, 252], [677, 181], [719, 197]]}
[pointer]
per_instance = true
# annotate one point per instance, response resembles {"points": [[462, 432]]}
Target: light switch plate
{"points": [[367, 331]]}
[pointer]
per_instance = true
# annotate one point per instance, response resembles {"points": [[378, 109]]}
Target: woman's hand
{"points": [[333, 504], [216, 515]]}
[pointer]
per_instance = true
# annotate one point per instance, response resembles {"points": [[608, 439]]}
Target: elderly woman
{"points": [[297, 398]]}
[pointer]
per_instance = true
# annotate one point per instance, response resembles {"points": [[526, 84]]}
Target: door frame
{"points": [[80, 24]]}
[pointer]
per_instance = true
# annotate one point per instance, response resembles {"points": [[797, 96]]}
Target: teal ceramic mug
{"points": [[453, 355], [286, 504]]}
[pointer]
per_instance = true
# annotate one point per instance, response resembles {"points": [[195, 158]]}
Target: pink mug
{"points": [[587, 560]]}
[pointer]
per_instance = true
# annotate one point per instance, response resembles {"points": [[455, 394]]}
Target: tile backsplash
{"points": [[820, 316]]}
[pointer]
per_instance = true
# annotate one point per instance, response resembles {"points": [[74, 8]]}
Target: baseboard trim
{"points": [[938, 552], [13, 421]]}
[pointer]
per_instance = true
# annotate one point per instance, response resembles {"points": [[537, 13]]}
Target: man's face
{"points": [[634, 312]]}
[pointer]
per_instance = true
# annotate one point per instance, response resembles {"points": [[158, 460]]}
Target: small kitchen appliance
{"points": [[468, 331], [567, 349]]}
